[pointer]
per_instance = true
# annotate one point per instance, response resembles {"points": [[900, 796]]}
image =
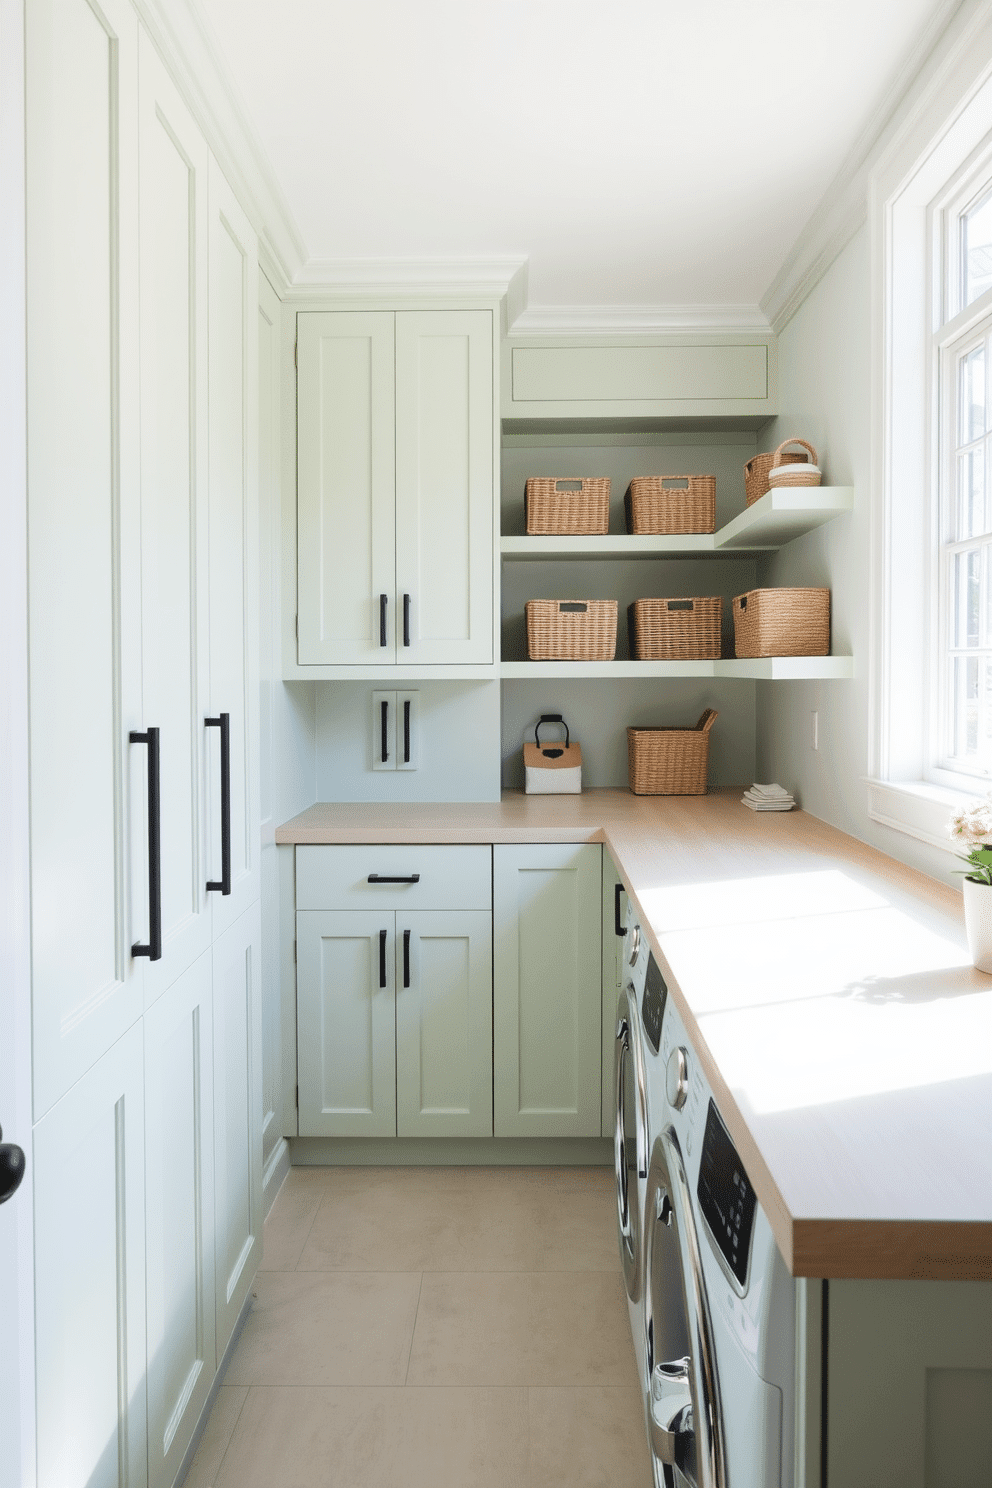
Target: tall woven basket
{"points": [[670, 761]]}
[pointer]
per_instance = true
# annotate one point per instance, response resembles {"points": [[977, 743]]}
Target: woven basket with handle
{"points": [[670, 761], [756, 470], [671, 503], [675, 629], [558, 505], [571, 629], [785, 472]]}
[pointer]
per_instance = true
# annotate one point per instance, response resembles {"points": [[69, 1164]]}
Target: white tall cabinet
{"points": [[142, 407]]}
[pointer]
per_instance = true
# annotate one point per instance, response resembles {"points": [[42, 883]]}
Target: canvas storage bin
{"points": [[675, 629], [670, 761], [571, 629], [671, 503], [562, 506], [552, 769], [782, 622]]}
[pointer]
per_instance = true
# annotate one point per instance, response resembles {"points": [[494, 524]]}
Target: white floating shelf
{"points": [[774, 520], [770, 668]]}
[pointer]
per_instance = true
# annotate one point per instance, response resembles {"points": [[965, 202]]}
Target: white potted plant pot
{"points": [[978, 922]]}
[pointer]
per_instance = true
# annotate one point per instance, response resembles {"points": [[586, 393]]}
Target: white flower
{"points": [[972, 824]]}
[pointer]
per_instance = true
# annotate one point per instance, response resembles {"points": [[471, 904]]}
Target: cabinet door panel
{"points": [[233, 542], [547, 990], [347, 1024], [179, 1209], [174, 598], [84, 559], [444, 485], [89, 1278], [346, 487], [444, 1062], [237, 1112]]}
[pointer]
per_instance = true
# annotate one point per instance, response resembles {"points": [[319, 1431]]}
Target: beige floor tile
{"points": [[327, 1328], [468, 1219], [589, 1438], [300, 1438], [288, 1222], [216, 1437], [522, 1328]]}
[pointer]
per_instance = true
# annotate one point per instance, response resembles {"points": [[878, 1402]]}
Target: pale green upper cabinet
{"points": [[547, 990], [641, 379], [396, 489]]}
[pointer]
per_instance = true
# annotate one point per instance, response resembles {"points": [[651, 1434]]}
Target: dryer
{"points": [[718, 1302], [632, 1129]]}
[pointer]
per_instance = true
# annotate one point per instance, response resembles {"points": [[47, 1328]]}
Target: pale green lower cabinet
{"points": [[395, 1020], [547, 990]]}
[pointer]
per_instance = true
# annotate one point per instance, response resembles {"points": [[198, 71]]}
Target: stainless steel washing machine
{"points": [[718, 1303]]}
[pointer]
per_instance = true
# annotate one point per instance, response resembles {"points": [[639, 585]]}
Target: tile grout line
{"points": [[413, 1330], [306, 1237], [230, 1439]]}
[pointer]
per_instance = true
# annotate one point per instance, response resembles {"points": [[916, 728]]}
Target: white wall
{"points": [[825, 396]]}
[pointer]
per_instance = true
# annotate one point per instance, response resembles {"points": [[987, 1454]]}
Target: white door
{"points": [[547, 981], [346, 1012], [179, 1192], [88, 879], [346, 506], [444, 1023], [444, 486], [90, 1278], [237, 979], [174, 597], [233, 562]]}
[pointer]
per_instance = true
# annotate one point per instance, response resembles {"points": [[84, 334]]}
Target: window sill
{"points": [[916, 807]]}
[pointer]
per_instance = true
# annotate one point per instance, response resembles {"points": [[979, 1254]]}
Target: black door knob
{"points": [[12, 1166]]}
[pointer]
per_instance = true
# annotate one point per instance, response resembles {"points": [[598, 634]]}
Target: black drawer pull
{"points": [[406, 731], [406, 958], [617, 925], [406, 619], [383, 600], [385, 878], [223, 884], [153, 950], [382, 958], [384, 731]]}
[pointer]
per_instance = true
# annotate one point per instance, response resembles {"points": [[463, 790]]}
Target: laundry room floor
{"points": [[433, 1328]]}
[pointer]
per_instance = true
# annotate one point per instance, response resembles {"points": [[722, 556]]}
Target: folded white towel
{"points": [[771, 791], [768, 798], [768, 805]]}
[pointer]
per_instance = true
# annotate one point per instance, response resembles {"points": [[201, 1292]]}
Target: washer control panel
{"points": [[677, 1078], [653, 1003], [726, 1197]]}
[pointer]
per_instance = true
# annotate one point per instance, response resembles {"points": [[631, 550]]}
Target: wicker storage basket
{"points": [[670, 761], [571, 629], [563, 506], [756, 470], [782, 622], [786, 472], [671, 503], [675, 629]]}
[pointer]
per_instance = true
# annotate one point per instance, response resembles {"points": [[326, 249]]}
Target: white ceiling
{"points": [[636, 153]]}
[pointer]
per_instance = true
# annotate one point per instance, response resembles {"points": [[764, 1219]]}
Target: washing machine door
{"points": [[685, 1429], [630, 1139]]}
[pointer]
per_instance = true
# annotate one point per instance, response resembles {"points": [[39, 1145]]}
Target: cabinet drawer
{"points": [[336, 877]]}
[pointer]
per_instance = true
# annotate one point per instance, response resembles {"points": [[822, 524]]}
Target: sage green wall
{"points": [[826, 396]]}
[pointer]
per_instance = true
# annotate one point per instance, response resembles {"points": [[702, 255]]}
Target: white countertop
{"points": [[830, 996]]}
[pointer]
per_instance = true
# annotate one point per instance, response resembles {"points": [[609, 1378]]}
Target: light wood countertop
{"points": [[829, 994]]}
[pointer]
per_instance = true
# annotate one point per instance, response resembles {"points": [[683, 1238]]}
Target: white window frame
{"points": [[941, 147]]}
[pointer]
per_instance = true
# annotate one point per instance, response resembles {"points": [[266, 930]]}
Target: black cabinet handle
{"points": [[406, 619], [384, 731], [383, 601], [224, 724], [384, 878], [406, 731], [382, 958], [406, 958], [12, 1164], [617, 923], [153, 950]]}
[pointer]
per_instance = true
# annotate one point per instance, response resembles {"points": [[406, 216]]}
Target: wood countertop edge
{"points": [[832, 1248]]}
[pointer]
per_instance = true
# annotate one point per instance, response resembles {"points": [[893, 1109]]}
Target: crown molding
{"points": [[844, 206], [193, 56], [632, 320], [443, 278]]}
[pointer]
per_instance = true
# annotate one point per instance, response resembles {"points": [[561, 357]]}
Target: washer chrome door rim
{"points": [[628, 1065], [668, 1203]]}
